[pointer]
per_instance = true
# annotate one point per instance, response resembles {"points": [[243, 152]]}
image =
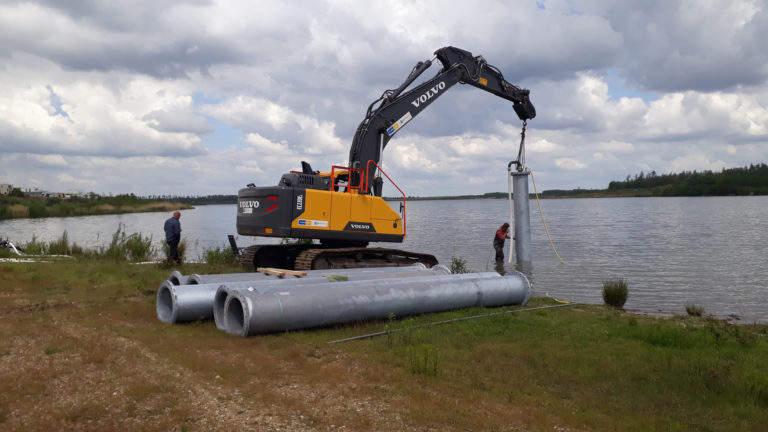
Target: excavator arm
{"points": [[395, 108]]}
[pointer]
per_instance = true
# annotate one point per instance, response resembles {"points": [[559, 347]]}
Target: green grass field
{"points": [[81, 349]]}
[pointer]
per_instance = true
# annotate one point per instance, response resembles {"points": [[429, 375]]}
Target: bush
{"points": [[458, 265], [694, 310], [615, 292], [182, 249], [140, 248], [134, 247], [37, 209], [35, 247], [59, 246], [221, 256]]}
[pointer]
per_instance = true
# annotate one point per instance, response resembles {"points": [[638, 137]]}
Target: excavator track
{"points": [[337, 258], [277, 256], [312, 256]]}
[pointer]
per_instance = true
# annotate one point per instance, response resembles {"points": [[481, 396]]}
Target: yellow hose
{"points": [[541, 213]]}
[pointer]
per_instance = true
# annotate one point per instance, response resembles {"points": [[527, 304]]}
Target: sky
{"points": [[200, 97]]}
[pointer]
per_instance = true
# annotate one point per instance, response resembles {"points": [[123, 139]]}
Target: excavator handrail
{"points": [[367, 168], [348, 186]]}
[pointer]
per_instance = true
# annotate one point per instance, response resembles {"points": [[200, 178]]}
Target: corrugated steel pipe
{"points": [[279, 285], [249, 313], [238, 277]]}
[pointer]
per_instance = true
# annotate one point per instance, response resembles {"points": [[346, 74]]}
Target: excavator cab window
{"points": [[335, 180], [341, 183]]}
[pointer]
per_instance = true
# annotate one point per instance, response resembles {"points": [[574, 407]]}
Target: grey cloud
{"points": [[115, 142], [672, 46]]}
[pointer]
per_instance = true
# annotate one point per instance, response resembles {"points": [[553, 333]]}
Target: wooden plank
{"points": [[280, 272]]}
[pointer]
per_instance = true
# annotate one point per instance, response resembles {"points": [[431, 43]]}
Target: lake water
{"points": [[672, 251]]}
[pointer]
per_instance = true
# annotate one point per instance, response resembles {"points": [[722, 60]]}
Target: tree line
{"points": [[749, 180]]}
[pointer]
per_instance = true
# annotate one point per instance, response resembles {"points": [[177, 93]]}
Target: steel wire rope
{"points": [[467, 318]]}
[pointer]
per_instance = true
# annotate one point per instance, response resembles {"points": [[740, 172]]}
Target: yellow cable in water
{"points": [[542, 217]]}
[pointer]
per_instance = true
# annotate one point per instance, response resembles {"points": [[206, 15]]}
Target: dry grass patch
{"points": [[18, 211], [107, 208], [161, 206]]}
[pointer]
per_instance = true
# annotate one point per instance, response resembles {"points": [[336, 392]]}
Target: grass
{"points": [[615, 292], [82, 349], [220, 256], [123, 247]]}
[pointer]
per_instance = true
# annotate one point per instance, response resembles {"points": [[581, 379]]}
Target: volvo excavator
{"points": [[343, 208]]}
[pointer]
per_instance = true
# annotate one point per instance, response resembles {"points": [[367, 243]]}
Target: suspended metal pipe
{"points": [[522, 217], [256, 313]]}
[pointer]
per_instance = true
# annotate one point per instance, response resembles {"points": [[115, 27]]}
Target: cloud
{"points": [[299, 132], [71, 114], [205, 96], [689, 44]]}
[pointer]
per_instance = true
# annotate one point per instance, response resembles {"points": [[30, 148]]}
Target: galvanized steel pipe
{"points": [[186, 303], [255, 313], [522, 217], [177, 278], [239, 277], [279, 285], [191, 302]]}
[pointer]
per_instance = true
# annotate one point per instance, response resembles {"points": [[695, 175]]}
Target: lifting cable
{"points": [[467, 318]]}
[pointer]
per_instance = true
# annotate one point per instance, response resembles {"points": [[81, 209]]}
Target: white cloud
{"points": [[190, 96], [570, 164], [299, 132]]}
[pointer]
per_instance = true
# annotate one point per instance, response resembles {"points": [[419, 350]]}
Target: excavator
{"points": [[343, 208]]}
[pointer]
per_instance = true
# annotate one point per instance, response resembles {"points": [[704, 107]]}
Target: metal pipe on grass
{"points": [[247, 314], [295, 285]]}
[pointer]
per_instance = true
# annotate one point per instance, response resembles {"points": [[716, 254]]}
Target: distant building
{"points": [[35, 193], [5, 189]]}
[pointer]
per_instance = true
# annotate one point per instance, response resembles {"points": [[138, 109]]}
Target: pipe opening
{"points": [[235, 317], [219, 301], [174, 280], [165, 304]]}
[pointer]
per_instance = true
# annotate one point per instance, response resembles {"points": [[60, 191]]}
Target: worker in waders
{"points": [[498, 241]]}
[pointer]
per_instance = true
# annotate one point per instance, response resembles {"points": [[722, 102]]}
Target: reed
{"points": [[694, 310], [218, 256], [615, 292]]}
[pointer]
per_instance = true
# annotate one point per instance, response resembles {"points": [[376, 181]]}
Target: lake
{"points": [[672, 251]]}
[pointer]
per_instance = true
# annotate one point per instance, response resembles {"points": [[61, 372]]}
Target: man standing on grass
{"points": [[172, 236]]}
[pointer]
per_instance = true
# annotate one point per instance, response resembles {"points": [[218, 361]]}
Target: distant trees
{"points": [[751, 180]]}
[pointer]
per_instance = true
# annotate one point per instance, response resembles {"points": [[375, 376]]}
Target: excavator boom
{"points": [[395, 108]]}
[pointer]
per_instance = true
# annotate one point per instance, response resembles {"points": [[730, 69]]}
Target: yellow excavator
{"points": [[343, 208]]}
